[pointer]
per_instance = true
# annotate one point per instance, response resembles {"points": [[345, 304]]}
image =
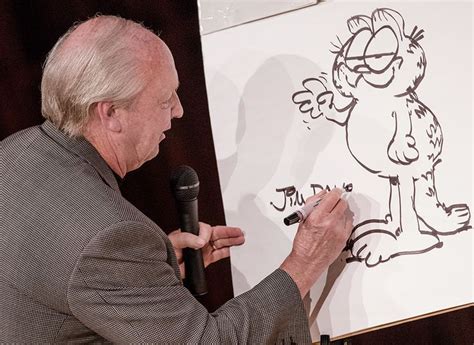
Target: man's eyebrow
{"points": [[170, 96]]}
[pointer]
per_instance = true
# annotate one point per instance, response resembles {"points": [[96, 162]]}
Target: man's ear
{"points": [[108, 116]]}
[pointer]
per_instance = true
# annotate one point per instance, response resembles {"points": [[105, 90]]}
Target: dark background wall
{"points": [[28, 29]]}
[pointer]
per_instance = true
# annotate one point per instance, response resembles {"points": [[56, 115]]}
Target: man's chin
{"points": [[152, 155]]}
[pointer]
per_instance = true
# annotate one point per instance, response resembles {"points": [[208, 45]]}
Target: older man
{"points": [[78, 263]]}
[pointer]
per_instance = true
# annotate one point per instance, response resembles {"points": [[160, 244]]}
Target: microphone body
{"points": [[185, 187]]}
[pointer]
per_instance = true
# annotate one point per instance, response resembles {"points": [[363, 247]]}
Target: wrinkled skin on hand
{"points": [[319, 240]]}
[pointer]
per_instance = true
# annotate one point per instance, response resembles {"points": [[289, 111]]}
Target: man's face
{"points": [[150, 116]]}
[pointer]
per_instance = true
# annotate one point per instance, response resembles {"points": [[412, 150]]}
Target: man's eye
{"points": [[165, 104]]}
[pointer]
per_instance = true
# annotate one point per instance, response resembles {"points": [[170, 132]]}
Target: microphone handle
{"points": [[195, 280]]}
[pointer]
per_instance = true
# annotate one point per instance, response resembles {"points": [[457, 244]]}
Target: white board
{"points": [[215, 15], [407, 73]]}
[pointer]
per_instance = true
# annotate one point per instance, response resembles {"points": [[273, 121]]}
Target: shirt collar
{"points": [[84, 149]]}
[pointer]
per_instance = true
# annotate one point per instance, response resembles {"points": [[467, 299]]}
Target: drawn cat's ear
{"points": [[387, 16], [358, 22]]}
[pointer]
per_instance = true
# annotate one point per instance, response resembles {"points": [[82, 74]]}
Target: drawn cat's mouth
{"points": [[382, 80], [377, 79]]}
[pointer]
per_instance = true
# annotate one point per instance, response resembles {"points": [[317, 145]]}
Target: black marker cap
{"points": [[292, 219]]}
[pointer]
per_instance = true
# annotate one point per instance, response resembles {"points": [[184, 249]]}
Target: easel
{"points": [[325, 339]]}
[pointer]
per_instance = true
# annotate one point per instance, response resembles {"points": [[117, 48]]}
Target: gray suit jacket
{"points": [[80, 264]]}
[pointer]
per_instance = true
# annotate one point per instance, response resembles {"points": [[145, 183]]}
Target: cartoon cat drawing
{"points": [[392, 134]]}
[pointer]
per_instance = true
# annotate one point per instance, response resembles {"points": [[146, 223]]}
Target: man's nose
{"points": [[177, 110]]}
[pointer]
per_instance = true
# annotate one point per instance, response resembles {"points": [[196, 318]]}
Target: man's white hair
{"points": [[103, 67]]}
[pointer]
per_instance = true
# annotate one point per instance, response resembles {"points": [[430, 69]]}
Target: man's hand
{"points": [[215, 242], [320, 240]]}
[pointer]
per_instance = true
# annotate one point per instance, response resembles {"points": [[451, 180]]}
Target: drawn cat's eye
{"points": [[381, 50], [355, 52]]}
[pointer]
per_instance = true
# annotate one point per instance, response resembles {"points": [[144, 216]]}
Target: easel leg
{"points": [[325, 339]]}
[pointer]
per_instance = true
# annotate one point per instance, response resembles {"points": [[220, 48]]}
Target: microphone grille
{"points": [[184, 183]]}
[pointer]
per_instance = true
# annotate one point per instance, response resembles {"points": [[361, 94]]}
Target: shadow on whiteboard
{"points": [[318, 302], [259, 127]]}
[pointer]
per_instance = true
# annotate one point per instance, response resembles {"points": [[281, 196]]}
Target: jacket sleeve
{"points": [[125, 288]]}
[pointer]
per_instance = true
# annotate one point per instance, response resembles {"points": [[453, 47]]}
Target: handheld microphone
{"points": [[185, 187]]}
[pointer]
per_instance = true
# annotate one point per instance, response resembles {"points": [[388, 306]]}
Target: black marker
{"points": [[301, 214]]}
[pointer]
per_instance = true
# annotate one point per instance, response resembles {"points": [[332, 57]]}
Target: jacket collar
{"points": [[82, 148]]}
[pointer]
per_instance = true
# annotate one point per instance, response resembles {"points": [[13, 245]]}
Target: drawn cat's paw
{"points": [[373, 247], [378, 246], [325, 102], [402, 150], [307, 99], [446, 220]]}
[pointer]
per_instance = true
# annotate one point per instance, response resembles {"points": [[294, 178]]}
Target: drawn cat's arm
{"points": [[331, 111], [402, 148]]}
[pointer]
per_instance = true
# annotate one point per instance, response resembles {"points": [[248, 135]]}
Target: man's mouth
{"points": [[163, 135]]}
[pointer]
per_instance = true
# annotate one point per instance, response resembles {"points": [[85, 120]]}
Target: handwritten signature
{"points": [[293, 197]]}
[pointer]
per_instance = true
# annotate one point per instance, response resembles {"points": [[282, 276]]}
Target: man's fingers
{"points": [[182, 240], [349, 224], [220, 254], [205, 232], [216, 255], [221, 231], [219, 237], [339, 208], [229, 242], [330, 200], [316, 196], [331, 204], [349, 221], [225, 236]]}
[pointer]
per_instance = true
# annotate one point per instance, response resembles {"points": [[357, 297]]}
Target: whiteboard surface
{"points": [[215, 15], [265, 144]]}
